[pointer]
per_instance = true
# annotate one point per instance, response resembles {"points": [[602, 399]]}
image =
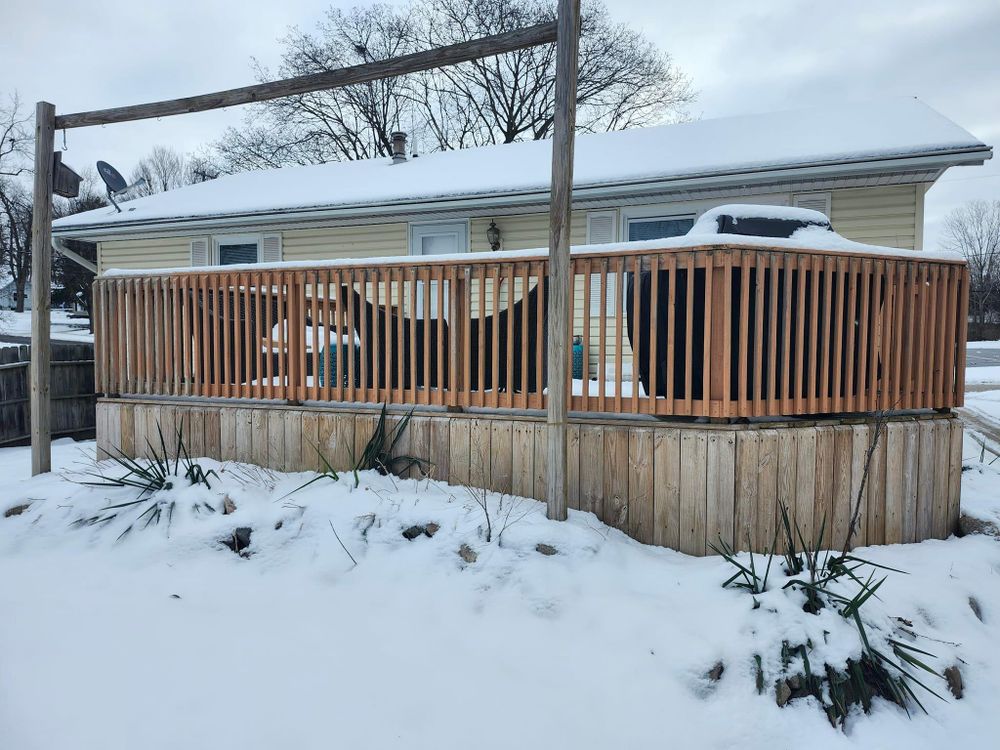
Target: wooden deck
{"points": [[785, 356]]}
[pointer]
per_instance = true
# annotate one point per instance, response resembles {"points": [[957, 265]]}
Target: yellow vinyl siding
{"points": [[330, 243], [154, 253], [879, 216]]}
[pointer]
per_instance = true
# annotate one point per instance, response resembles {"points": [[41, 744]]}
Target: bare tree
{"points": [[974, 231], [15, 236], [162, 169], [353, 122], [15, 138], [624, 81]]}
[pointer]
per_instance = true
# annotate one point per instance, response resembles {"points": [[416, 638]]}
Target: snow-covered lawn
{"points": [[166, 639], [64, 328]]}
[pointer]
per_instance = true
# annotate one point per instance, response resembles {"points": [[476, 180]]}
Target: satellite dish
{"points": [[115, 182]]}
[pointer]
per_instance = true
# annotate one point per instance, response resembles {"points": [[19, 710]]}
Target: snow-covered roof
{"points": [[814, 137]]}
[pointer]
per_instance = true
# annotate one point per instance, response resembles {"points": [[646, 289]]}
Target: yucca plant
{"points": [[150, 476], [377, 454], [874, 673]]}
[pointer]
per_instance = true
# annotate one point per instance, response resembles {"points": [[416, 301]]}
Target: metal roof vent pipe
{"points": [[398, 146]]}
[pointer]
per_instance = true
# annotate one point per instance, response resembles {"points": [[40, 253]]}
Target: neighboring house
{"points": [[8, 296], [867, 167]]}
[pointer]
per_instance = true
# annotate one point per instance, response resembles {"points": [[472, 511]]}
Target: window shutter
{"points": [[199, 251], [813, 201], [601, 226], [270, 248]]}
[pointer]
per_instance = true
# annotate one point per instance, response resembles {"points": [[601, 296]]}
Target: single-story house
{"points": [[867, 167]]}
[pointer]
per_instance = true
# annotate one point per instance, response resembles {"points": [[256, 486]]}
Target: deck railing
{"points": [[716, 331]]}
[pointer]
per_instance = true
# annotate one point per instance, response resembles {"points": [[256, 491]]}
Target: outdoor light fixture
{"points": [[493, 236]]}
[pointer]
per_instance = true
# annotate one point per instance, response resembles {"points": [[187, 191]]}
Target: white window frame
{"points": [[418, 230], [234, 239], [652, 213]]}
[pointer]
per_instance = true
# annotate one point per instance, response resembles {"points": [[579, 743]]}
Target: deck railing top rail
{"points": [[726, 330]]}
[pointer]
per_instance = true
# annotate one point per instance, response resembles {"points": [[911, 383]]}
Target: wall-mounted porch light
{"points": [[493, 236]]}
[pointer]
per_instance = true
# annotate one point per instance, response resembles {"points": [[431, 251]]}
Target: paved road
{"points": [[983, 357]]}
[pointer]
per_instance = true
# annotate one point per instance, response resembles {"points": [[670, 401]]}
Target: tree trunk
{"points": [[19, 286]]}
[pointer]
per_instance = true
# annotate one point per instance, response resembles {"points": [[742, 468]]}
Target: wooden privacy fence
{"points": [[714, 331], [72, 383]]}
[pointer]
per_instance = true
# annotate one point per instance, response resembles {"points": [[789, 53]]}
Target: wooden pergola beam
{"points": [[488, 46]]}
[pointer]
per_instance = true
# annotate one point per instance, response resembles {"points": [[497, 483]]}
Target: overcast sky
{"points": [[742, 57]]}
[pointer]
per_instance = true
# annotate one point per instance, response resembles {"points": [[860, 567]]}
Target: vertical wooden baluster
{"points": [[899, 304], [671, 404], [542, 318], [962, 317], [908, 298], [350, 369], [791, 262], [313, 278], [619, 354], [885, 400], [919, 362], [160, 335], [706, 359], [839, 279], [184, 301], [804, 262], [438, 275], [602, 362], [879, 299], [654, 306], [284, 329], [97, 311], [931, 337], [759, 381], [466, 307], [336, 343], [825, 403], [776, 262], [246, 306], [272, 311], [301, 315], [727, 339], [689, 339], [525, 285], [390, 350], [413, 334], [508, 279], [263, 337], [864, 325], [148, 337], [850, 378], [495, 308], [425, 297], [940, 328], [948, 376], [813, 378], [207, 341], [337, 367], [222, 287], [365, 354], [636, 298], [744, 337]]}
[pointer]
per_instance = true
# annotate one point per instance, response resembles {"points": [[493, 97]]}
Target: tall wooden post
{"points": [[41, 284], [560, 278]]}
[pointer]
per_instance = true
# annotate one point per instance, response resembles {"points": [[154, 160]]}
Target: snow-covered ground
{"points": [[63, 327], [166, 639]]}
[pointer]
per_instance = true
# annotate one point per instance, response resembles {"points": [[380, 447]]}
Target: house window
{"points": [[658, 227], [230, 249], [439, 238]]}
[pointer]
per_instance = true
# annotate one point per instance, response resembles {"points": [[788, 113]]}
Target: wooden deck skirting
{"points": [[714, 331], [679, 485]]}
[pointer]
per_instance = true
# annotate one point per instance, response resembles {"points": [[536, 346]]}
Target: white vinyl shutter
{"points": [[813, 201], [601, 229], [270, 248], [199, 251]]}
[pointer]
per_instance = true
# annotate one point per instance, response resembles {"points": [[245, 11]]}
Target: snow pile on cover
{"points": [[708, 224], [883, 129], [162, 641]]}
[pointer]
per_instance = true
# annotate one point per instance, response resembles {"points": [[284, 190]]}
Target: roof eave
{"points": [[971, 155]]}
